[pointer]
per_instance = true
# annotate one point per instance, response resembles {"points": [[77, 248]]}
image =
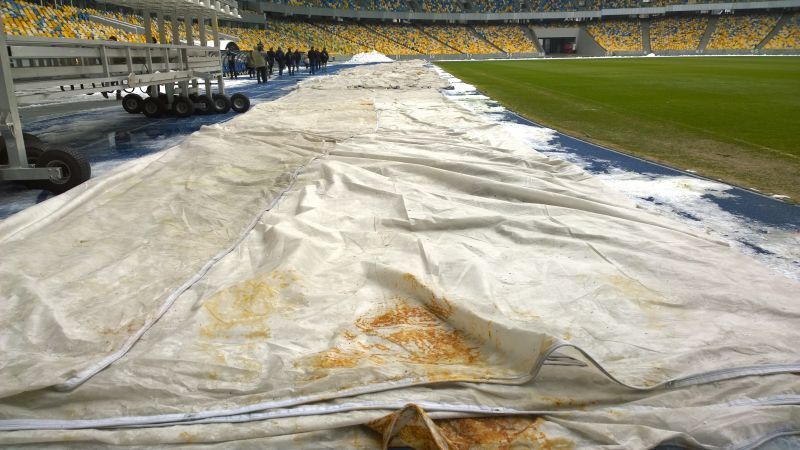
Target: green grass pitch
{"points": [[731, 118]]}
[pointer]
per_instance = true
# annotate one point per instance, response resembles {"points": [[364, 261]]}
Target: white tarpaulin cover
{"points": [[364, 243]]}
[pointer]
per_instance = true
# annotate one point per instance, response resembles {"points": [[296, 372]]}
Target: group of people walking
{"points": [[262, 64]]}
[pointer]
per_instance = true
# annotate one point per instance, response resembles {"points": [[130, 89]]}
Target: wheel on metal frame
{"points": [[75, 169], [162, 97], [152, 107], [222, 104], [132, 103], [182, 106], [204, 105], [240, 103], [33, 147]]}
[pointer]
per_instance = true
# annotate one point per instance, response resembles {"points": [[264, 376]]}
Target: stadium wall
{"points": [[587, 46]]}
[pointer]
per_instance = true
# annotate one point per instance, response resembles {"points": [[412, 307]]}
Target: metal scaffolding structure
{"points": [[168, 72]]}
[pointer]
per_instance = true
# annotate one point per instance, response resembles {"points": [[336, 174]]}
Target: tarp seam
{"points": [[92, 370]]}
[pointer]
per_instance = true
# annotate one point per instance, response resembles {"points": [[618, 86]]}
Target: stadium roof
{"points": [[200, 7]]}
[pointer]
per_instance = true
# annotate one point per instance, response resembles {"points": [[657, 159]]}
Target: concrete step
{"points": [[712, 25], [775, 30], [482, 38], [530, 34]]}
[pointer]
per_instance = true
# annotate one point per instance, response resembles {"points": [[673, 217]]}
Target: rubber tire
{"points": [[132, 103], [33, 147], [152, 108], [204, 105], [240, 103], [182, 107], [73, 165], [222, 104]]}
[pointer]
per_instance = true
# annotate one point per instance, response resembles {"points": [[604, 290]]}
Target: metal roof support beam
{"points": [[201, 23], [162, 29], [9, 115], [215, 33], [176, 33], [187, 20], [148, 33]]}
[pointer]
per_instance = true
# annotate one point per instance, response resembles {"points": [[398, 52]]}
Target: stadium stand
{"points": [[493, 6], [677, 33], [411, 37], [366, 39], [670, 33], [556, 5], [333, 4], [303, 35], [386, 5], [508, 38], [555, 24], [28, 19], [741, 32], [611, 4], [459, 37], [439, 6], [617, 35], [291, 34], [787, 37]]}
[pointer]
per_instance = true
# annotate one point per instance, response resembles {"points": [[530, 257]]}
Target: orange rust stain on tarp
{"points": [[411, 331], [434, 346], [242, 310], [439, 306], [500, 433], [409, 427], [402, 314], [568, 402], [335, 358], [650, 302], [124, 330], [425, 338]]}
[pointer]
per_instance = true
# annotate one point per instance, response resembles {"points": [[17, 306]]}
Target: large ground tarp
{"points": [[314, 265]]}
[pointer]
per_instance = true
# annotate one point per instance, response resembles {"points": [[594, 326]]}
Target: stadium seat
{"points": [[508, 38], [788, 37], [677, 33], [617, 35], [741, 32]]}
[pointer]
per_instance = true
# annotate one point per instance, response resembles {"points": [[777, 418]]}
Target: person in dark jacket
{"points": [[270, 59], [312, 59], [297, 60], [230, 60], [323, 57], [280, 58], [290, 60]]}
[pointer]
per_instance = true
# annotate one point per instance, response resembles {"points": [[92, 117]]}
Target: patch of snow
{"points": [[371, 57]]}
